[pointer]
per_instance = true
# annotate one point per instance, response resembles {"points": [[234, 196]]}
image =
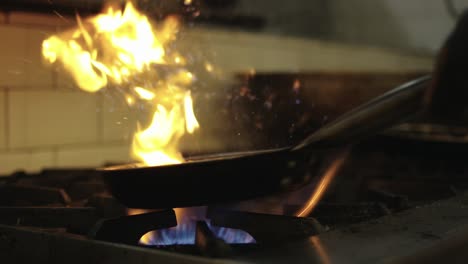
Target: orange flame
{"points": [[191, 121], [322, 186], [124, 48]]}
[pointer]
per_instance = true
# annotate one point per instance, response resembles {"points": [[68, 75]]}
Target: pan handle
{"points": [[394, 106]]}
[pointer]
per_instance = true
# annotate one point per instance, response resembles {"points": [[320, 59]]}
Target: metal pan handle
{"points": [[394, 106]]}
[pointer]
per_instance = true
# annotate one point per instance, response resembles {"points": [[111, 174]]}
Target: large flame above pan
{"points": [[124, 48]]}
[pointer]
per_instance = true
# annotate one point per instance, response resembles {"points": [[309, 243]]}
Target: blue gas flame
{"points": [[184, 234]]}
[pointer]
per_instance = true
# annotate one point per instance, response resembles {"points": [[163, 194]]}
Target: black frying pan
{"points": [[246, 175]]}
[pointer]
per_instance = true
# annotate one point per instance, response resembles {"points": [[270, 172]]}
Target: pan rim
{"points": [[202, 159]]}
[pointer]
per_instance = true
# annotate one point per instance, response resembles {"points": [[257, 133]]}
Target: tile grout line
{"points": [[82, 145], [55, 156], [6, 116]]}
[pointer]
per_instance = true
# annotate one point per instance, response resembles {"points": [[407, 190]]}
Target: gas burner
{"points": [[389, 188]]}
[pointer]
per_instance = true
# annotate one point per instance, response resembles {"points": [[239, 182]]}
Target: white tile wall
{"points": [[13, 47], [22, 65], [42, 20], [94, 156], [237, 51], [118, 121], [41, 159], [64, 81], [2, 121], [31, 161], [49, 122], [37, 73], [46, 118]]}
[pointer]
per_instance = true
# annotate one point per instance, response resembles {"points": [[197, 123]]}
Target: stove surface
{"points": [[394, 201]]}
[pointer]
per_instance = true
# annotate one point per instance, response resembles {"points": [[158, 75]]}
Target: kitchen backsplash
{"points": [[45, 121]]}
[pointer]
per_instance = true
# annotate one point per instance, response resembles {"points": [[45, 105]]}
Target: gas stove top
{"points": [[405, 204]]}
